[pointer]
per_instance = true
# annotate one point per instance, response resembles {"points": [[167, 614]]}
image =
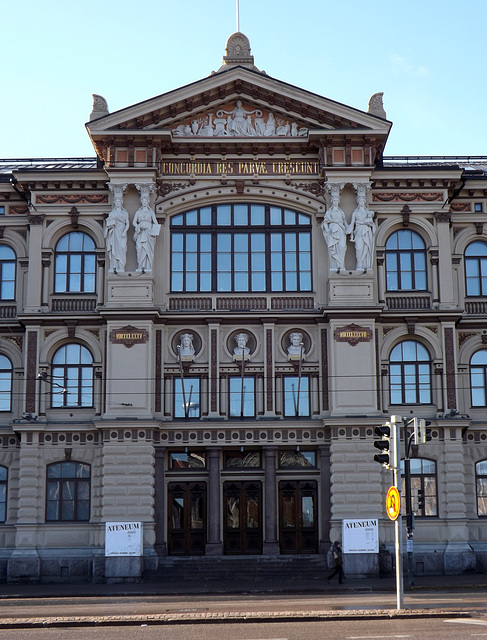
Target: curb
{"points": [[228, 618]]}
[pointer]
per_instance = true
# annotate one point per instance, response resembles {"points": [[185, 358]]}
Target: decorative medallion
{"points": [[128, 336], [353, 334]]}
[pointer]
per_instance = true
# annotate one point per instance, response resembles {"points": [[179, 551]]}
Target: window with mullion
{"points": [[481, 485], [75, 264], [6, 377], [72, 377], [241, 396], [248, 248], [7, 273], [3, 493], [296, 396], [423, 478], [405, 262], [410, 374], [478, 378], [476, 269], [68, 491]]}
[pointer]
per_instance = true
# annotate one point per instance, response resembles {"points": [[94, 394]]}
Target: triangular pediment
{"points": [[238, 102]]}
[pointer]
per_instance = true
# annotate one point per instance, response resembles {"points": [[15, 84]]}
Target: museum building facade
{"points": [[201, 327]]}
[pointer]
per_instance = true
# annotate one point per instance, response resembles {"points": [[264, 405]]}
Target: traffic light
{"points": [[385, 445], [421, 434], [420, 499]]}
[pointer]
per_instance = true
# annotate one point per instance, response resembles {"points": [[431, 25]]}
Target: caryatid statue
{"points": [[334, 228], [362, 229], [115, 232], [146, 229]]}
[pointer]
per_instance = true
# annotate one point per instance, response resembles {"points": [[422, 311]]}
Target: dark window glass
{"points": [[7, 273], [72, 377], [405, 262], [476, 269], [3, 493], [410, 374], [68, 491], [423, 478], [187, 398], [296, 396], [187, 460], [242, 396], [242, 460], [6, 376], [231, 248], [481, 484], [297, 459], [75, 261]]}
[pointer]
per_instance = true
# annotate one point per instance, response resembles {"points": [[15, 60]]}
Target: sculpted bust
{"points": [[241, 350], [186, 347]]}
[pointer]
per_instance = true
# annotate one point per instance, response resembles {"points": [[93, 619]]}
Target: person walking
{"points": [[337, 563]]}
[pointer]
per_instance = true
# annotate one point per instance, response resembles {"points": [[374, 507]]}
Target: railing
{"points": [[8, 311], [476, 307], [190, 304], [242, 303], [406, 302], [74, 304], [293, 303]]}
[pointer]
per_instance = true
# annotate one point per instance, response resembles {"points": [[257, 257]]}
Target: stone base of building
{"points": [[123, 569]]}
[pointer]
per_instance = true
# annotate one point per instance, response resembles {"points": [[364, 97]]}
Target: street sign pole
{"points": [[395, 427]]}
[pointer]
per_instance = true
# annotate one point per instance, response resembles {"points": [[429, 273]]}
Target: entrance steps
{"points": [[242, 572]]}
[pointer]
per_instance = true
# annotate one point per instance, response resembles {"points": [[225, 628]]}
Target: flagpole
{"points": [[238, 17]]}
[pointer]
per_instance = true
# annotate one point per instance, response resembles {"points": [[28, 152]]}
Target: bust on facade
{"points": [[185, 347], [296, 348], [241, 351]]}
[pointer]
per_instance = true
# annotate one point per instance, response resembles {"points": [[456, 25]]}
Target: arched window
{"points": [[478, 378], [7, 273], [410, 374], [423, 478], [6, 375], [72, 377], [481, 484], [75, 264], [3, 493], [476, 269], [405, 262], [241, 248], [68, 491]]}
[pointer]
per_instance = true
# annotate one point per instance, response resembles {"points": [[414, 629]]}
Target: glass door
{"points": [[242, 517], [186, 518], [298, 520]]}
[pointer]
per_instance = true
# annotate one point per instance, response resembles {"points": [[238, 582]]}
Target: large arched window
{"points": [[476, 269], [410, 374], [3, 493], [68, 491], [478, 378], [6, 375], [7, 273], [241, 248], [405, 262], [75, 261], [72, 377]]}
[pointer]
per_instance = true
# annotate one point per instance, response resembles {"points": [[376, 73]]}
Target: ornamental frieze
{"points": [[72, 199], [353, 334], [18, 209], [407, 197], [460, 206], [237, 120]]}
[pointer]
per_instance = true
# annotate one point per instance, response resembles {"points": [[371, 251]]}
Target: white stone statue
{"points": [[115, 232], [362, 229], [186, 347], [334, 228], [241, 349], [146, 229], [296, 348]]}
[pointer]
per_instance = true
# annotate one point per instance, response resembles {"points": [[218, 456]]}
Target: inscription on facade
{"points": [[128, 336], [353, 334], [239, 167]]}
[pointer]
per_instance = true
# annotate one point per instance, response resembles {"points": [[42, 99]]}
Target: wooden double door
{"points": [[298, 517], [186, 518], [242, 521]]}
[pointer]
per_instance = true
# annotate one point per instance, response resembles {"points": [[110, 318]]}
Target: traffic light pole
{"points": [[409, 506], [395, 429]]}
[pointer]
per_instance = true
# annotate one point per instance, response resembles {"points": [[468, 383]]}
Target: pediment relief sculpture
{"points": [[238, 120]]}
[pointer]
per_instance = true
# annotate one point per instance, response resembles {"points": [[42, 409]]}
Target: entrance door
{"points": [[243, 517], [186, 518], [298, 520]]}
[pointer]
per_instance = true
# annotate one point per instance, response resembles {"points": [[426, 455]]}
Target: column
{"points": [[214, 377], [34, 275], [271, 543], [324, 500], [214, 545], [445, 267], [160, 503]]}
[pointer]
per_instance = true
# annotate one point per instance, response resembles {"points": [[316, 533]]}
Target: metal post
{"points": [[181, 375], [398, 522], [296, 404], [409, 510], [242, 388]]}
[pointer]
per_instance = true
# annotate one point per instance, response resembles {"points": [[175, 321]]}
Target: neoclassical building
{"points": [[202, 325]]}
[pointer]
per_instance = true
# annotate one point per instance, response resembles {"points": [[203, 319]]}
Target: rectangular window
{"points": [[241, 397], [297, 459], [242, 460], [189, 460], [477, 207], [187, 398], [296, 396]]}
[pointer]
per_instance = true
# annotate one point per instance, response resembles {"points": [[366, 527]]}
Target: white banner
{"points": [[360, 536]]}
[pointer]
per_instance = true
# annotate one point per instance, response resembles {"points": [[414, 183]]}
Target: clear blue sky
{"points": [[428, 57]]}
